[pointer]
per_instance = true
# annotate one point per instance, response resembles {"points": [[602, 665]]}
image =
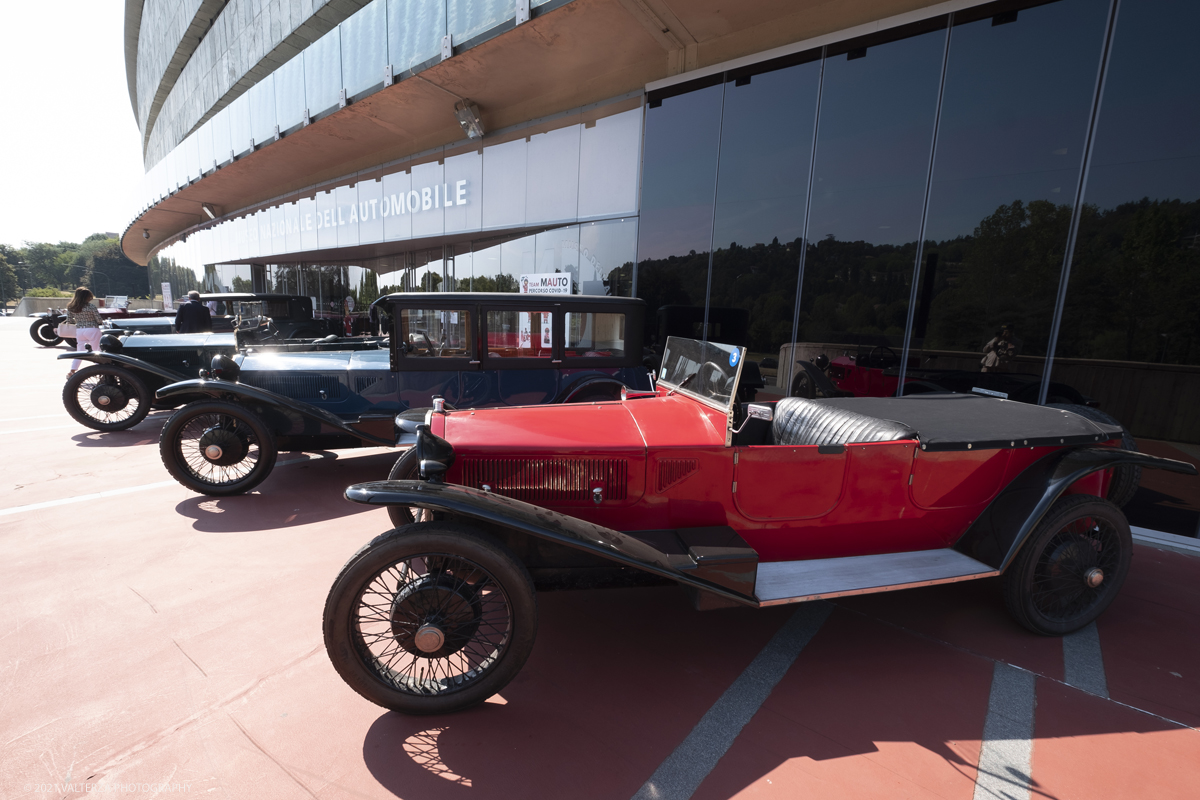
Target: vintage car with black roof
{"points": [[742, 504], [290, 315], [473, 350], [44, 328]]}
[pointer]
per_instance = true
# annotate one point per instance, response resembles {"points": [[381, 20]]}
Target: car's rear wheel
{"points": [[106, 398], [217, 448], [405, 469], [1125, 478], [42, 332], [1071, 567], [430, 618]]}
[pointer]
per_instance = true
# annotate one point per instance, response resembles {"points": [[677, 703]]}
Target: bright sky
{"points": [[70, 153]]}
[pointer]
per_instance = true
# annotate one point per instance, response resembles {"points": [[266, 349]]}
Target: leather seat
{"points": [[799, 421]]}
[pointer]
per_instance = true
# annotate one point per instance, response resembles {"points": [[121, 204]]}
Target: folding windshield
{"points": [[707, 371]]}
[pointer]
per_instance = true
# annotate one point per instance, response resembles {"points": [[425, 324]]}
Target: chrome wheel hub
{"points": [[429, 638], [1094, 577], [212, 452], [103, 400]]}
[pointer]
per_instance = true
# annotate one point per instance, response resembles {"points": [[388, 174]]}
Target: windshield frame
{"points": [[677, 344]]}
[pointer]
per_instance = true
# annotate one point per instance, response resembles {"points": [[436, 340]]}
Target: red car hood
{"points": [[575, 429]]}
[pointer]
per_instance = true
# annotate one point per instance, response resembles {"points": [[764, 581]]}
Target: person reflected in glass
{"points": [[86, 318], [999, 352]]}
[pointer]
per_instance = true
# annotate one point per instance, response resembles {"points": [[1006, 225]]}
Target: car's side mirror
{"points": [[756, 412]]}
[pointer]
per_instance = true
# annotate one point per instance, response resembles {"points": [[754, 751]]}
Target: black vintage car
{"points": [[472, 350], [291, 315], [44, 327]]}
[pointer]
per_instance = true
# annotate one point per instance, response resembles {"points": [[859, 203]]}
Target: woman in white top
{"points": [[86, 319]]}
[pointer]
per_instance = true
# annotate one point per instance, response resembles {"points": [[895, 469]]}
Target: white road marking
{"points": [[1006, 757], [1083, 661], [52, 428], [678, 777], [22, 419]]}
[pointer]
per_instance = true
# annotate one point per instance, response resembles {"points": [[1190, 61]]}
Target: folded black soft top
{"points": [[971, 422]]}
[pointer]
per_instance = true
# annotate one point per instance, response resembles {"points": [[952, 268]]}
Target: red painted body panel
{"points": [[788, 502]]}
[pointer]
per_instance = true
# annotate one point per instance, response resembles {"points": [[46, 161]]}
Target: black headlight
{"points": [[110, 343], [224, 368]]}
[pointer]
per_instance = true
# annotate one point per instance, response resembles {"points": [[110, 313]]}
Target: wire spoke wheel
{"points": [[433, 623], [106, 397], [430, 618], [1072, 566], [217, 448]]}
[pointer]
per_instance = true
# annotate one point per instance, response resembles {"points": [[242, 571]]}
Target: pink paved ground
{"points": [[155, 636]]}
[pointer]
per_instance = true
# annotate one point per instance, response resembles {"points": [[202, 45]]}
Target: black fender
{"points": [[129, 362], [494, 509], [232, 390], [588, 384], [1007, 522]]}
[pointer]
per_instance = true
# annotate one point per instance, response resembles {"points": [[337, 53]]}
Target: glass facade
{"points": [[1011, 188]]}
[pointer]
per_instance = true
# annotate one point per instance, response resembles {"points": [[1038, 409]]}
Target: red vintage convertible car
{"points": [[741, 504]]}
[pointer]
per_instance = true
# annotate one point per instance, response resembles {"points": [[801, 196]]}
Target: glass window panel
{"points": [[240, 133], [204, 147], [556, 251], [1130, 334], [517, 258], [261, 243], [504, 185], [1018, 96], [169, 164], [364, 48], [464, 268], [608, 176], [222, 145], [878, 104], [346, 215], [552, 176], [306, 217], [415, 30], [487, 274], [191, 157], [289, 94], [463, 174], [323, 73], [762, 189], [595, 334], [427, 219], [466, 19], [520, 334], [397, 221], [435, 333], [326, 220], [370, 223], [607, 252], [279, 229], [262, 110], [678, 186]]}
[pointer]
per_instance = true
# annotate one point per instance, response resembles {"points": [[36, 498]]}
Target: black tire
{"points": [[1127, 477], [42, 332], [405, 469], [1046, 587], [439, 575], [245, 452], [106, 398], [72, 343]]}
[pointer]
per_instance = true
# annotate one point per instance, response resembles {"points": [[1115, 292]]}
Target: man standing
{"points": [[999, 352], [193, 316]]}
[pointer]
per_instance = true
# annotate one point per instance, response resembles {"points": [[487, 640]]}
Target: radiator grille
{"points": [[375, 384], [298, 387], [672, 470], [549, 480]]}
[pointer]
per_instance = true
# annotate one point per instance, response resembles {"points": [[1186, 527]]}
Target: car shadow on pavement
{"points": [[302, 489], [619, 678], [144, 433]]}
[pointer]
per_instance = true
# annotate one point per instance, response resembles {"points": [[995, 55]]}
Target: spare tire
{"points": [[1126, 477]]}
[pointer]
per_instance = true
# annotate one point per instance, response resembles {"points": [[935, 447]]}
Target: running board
{"points": [[780, 582]]}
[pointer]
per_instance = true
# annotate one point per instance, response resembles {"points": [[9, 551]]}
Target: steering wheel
{"points": [[429, 345], [887, 357], [267, 330], [704, 378]]}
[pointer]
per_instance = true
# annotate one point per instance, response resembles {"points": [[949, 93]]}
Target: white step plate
{"points": [[814, 579]]}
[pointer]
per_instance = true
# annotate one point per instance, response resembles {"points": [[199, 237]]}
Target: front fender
{"points": [[135, 364], [1005, 525], [223, 389], [495, 509]]}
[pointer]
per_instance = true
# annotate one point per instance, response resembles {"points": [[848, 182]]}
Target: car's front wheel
{"points": [[42, 332], [217, 448], [430, 618], [106, 398], [1071, 567]]}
